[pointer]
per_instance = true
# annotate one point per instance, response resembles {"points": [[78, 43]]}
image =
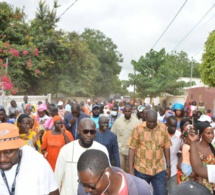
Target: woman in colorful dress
{"points": [[54, 140], [206, 149]]}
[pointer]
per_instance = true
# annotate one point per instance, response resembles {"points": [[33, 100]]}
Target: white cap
{"points": [[204, 118], [88, 100], [60, 103]]}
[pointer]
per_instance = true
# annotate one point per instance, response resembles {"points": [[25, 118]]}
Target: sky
{"points": [[135, 25]]}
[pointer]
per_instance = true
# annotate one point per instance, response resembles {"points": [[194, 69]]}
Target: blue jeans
{"points": [[158, 181]]}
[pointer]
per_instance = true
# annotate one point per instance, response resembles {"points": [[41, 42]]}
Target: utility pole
{"points": [[134, 85], [191, 73]]}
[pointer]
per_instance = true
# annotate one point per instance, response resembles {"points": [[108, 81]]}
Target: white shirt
{"points": [[211, 173], [66, 165], [35, 176], [174, 149], [159, 117]]}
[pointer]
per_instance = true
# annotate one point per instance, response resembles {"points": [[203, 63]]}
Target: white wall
{"points": [[19, 100]]}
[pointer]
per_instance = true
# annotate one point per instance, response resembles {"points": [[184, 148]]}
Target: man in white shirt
{"points": [[174, 149], [66, 166], [14, 108], [22, 169], [208, 171]]}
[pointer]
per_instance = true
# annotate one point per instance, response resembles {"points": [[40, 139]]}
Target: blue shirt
{"points": [[112, 120], [96, 121], [109, 140], [73, 128]]}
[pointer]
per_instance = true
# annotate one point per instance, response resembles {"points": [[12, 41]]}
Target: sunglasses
{"points": [[92, 187], [86, 131]]}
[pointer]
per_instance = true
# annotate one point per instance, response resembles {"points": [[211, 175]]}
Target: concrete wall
{"points": [[205, 94], [5, 102]]}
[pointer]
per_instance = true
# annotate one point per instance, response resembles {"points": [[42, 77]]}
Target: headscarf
{"points": [[56, 118], [202, 126], [41, 107], [28, 107], [178, 106], [187, 129]]}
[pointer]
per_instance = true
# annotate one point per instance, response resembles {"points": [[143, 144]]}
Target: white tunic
{"points": [[35, 176], [66, 166]]}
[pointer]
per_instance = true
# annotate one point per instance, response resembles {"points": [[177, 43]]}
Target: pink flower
{"points": [[25, 52], [13, 91], [14, 51], [36, 71], [6, 44], [36, 53], [8, 85], [5, 65], [29, 63]]}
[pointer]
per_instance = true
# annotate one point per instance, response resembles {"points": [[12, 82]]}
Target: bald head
{"points": [[151, 119], [103, 123], [87, 122], [151, 113]]}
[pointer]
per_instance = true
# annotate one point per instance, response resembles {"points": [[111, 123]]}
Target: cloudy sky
{"points": [[135, 25]]}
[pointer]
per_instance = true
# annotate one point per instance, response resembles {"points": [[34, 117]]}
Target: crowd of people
{"points": [[106, 147]]}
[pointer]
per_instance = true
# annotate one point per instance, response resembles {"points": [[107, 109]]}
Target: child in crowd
{"points": [[185, 165], [12, 118]]}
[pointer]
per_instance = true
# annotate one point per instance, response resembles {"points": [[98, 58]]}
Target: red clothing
{"points": [[209, 114], [52, 144], [124, 186], [124, 190]]}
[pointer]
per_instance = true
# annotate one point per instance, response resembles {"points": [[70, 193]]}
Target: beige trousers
{"points": [[123, 162]]}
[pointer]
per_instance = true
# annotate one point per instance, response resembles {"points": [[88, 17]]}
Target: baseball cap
{"points": [[60, 103], [9, 137], [204, 118], [141, 108], [95, 106]]}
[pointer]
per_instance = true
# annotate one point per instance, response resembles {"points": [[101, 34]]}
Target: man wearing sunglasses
{"points": [[66, 166], [96, 177]]}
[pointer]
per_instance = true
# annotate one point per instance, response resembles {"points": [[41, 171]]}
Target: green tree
{"points": [[77, 76], [155, 74], [67, 65], [45, 60], [207, 67], [105, 50], [183, 64]]}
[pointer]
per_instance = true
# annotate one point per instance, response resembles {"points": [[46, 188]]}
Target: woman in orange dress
{"points": [[54, 140]]}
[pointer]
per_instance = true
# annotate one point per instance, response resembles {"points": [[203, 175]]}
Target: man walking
{"points": [[107, 138], [123, 127], [72, 120], [66, 166], [149, 142]]}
